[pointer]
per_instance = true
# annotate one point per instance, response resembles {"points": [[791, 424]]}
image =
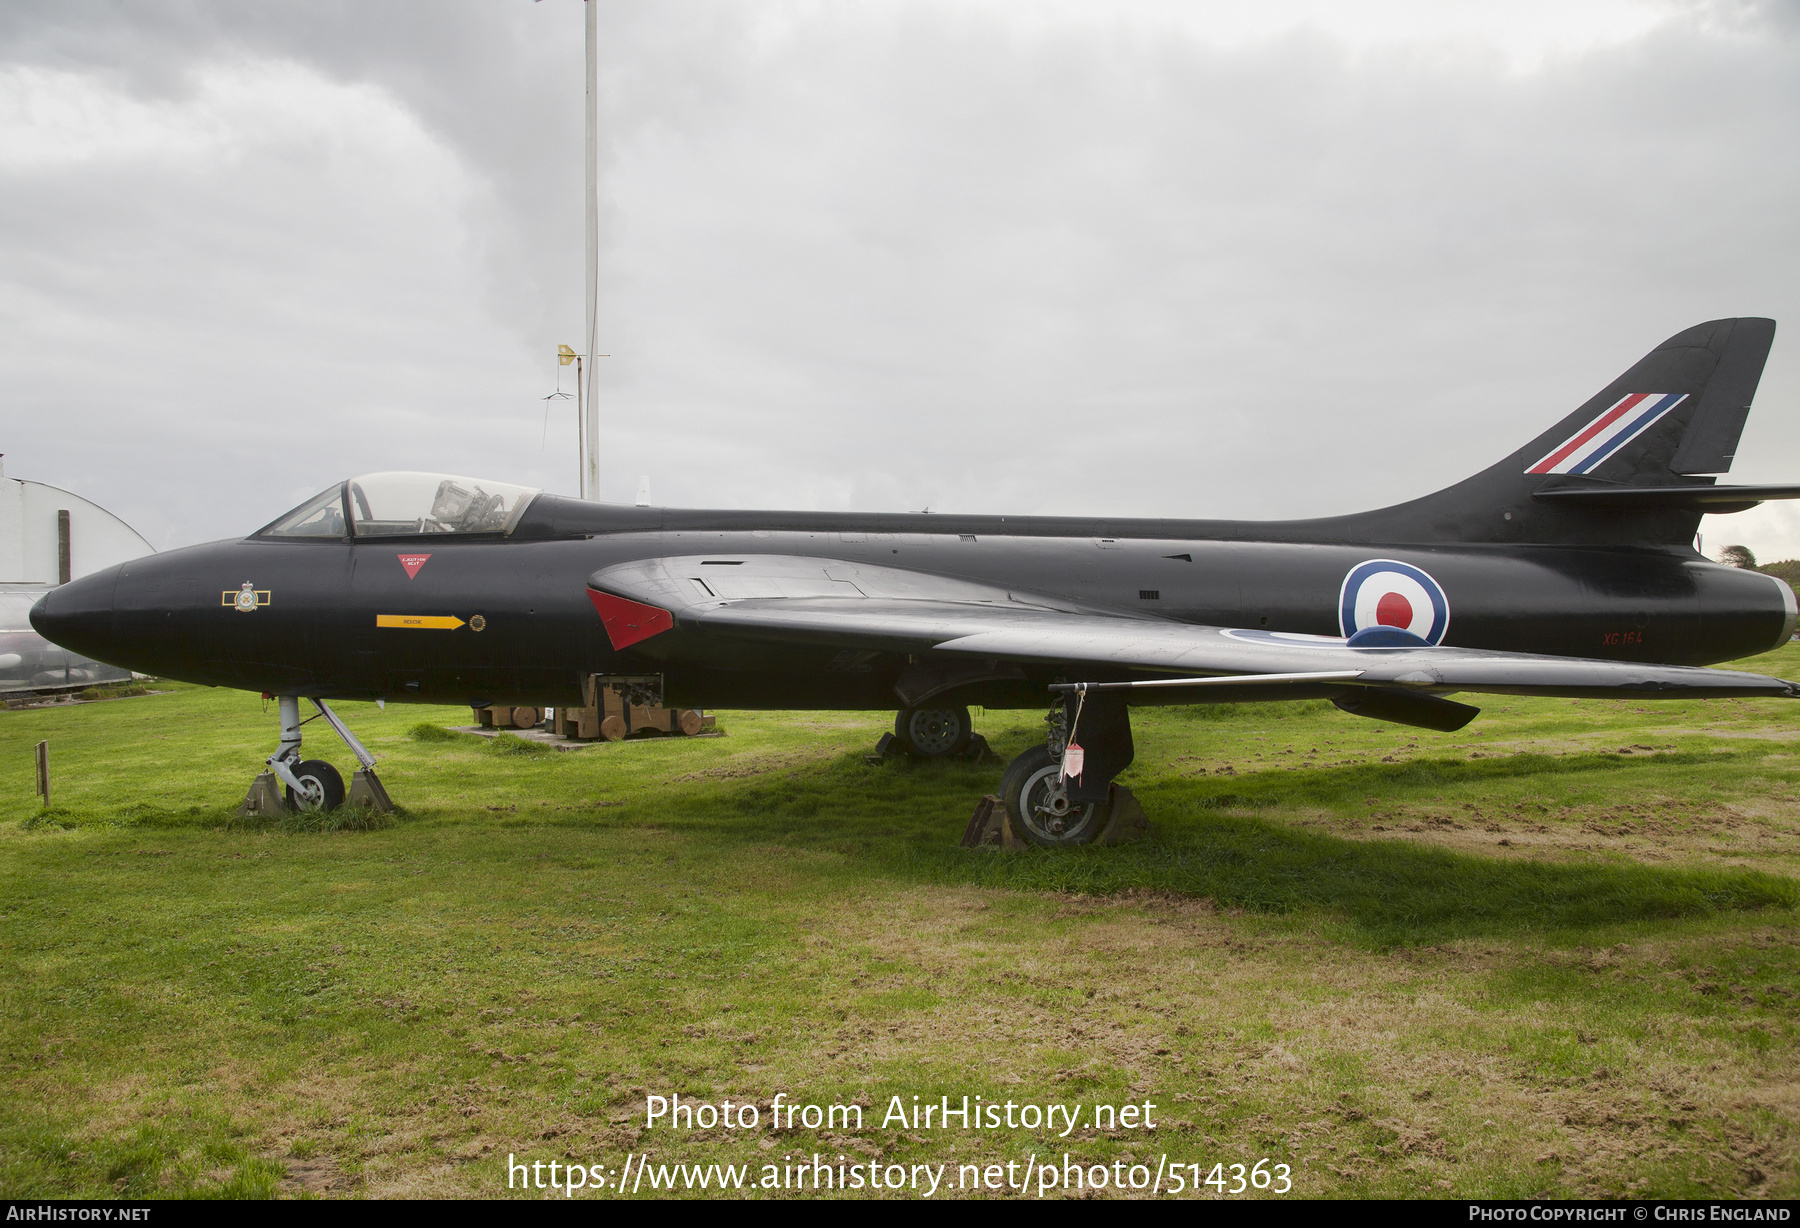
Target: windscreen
{"points": [[407, 504], [320, 516]]}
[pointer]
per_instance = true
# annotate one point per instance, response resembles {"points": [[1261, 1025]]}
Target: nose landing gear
{"points": [[312, 784]]}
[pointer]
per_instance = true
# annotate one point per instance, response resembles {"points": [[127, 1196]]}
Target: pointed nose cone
{"points": [[79, 615]]}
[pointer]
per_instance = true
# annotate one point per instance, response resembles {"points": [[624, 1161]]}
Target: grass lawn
{"points": [[1554, 953]]}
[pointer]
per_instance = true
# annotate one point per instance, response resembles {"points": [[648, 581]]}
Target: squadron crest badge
{"points": [[246, 599]]}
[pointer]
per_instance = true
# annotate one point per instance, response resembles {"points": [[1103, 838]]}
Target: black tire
{"points": [[1024, 787], [932, 732], [320, 775]]}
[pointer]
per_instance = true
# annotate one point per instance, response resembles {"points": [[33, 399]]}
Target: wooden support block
{"points": [[976, 833], [1010, 840], [587, 724], [525, 718], [690, 721], [613, 729], [990, 824], [643, 717]]}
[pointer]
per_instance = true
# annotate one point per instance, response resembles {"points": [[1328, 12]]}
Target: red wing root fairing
{"points": [[1564, 569]]}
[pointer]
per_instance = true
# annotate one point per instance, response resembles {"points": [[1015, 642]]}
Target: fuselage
{"points": [[506, 618]]}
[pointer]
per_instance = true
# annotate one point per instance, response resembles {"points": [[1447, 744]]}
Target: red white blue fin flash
{"points": [[1630, 416]]}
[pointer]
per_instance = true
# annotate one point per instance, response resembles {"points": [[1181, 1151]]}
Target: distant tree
{"points": [[1786, 569], [1738, 556]]}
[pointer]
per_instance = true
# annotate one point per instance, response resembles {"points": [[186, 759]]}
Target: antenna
{"points": [[584, 455]]}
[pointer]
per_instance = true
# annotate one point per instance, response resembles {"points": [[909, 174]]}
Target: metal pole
{"points": [[590, 416], [43, 772], [580, 427]]}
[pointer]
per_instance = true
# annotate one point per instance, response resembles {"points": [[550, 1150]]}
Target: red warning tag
{"points": [[412, 563], [1072, 760]]}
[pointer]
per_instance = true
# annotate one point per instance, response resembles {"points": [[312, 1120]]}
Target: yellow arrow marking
{"points": [[424, 622]]}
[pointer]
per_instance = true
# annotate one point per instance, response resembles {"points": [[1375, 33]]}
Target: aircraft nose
{"points": [[79, 615]]}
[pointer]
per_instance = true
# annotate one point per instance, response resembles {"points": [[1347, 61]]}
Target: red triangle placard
{"points": [[627, 622], [412, 563]]}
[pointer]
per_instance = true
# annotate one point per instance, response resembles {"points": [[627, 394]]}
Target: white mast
{"points": [[590, 426]]}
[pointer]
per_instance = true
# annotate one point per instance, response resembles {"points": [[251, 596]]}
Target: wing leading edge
{"points": [[798, 600]]}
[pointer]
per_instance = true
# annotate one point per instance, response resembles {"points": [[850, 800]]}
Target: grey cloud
{"points": [[883, 256]]}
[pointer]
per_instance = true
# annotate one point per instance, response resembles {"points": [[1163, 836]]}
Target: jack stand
{"points": [[365, 787]]}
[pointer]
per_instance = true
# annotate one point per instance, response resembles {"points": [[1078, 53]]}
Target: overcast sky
{"points": [[1263, 260]]}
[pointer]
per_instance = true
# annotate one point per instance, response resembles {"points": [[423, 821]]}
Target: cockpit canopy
{"points": [[407, 505]]}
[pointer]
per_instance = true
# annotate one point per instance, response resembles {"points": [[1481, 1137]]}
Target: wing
{"points": [[797, 600]]}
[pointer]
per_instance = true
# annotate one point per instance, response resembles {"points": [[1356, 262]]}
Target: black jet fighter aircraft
{"points": [[1566, 569]]}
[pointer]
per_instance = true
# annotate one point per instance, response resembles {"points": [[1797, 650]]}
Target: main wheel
{"points": [[933, 733], [1041, 813], [324, 788]]}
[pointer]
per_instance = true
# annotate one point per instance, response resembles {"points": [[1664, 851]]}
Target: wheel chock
{"points": [[885, 749], [1128, 821], [990, 824], [265, 799], [366, 790]]}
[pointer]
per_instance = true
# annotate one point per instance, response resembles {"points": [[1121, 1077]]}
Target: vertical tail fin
{"points": [[1673, 419]]}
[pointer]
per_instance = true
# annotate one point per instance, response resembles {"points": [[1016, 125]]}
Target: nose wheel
{"points": [[321, 787]]}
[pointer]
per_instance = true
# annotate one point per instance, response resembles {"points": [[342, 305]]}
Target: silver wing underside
{"points": [[798, 600]]}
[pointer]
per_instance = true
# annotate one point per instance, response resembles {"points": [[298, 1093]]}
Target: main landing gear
{"points": [[933, 732], [293, 783], [1052, 810]]}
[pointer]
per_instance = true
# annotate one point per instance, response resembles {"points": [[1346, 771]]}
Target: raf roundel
{"points": [[1387, 593]]}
